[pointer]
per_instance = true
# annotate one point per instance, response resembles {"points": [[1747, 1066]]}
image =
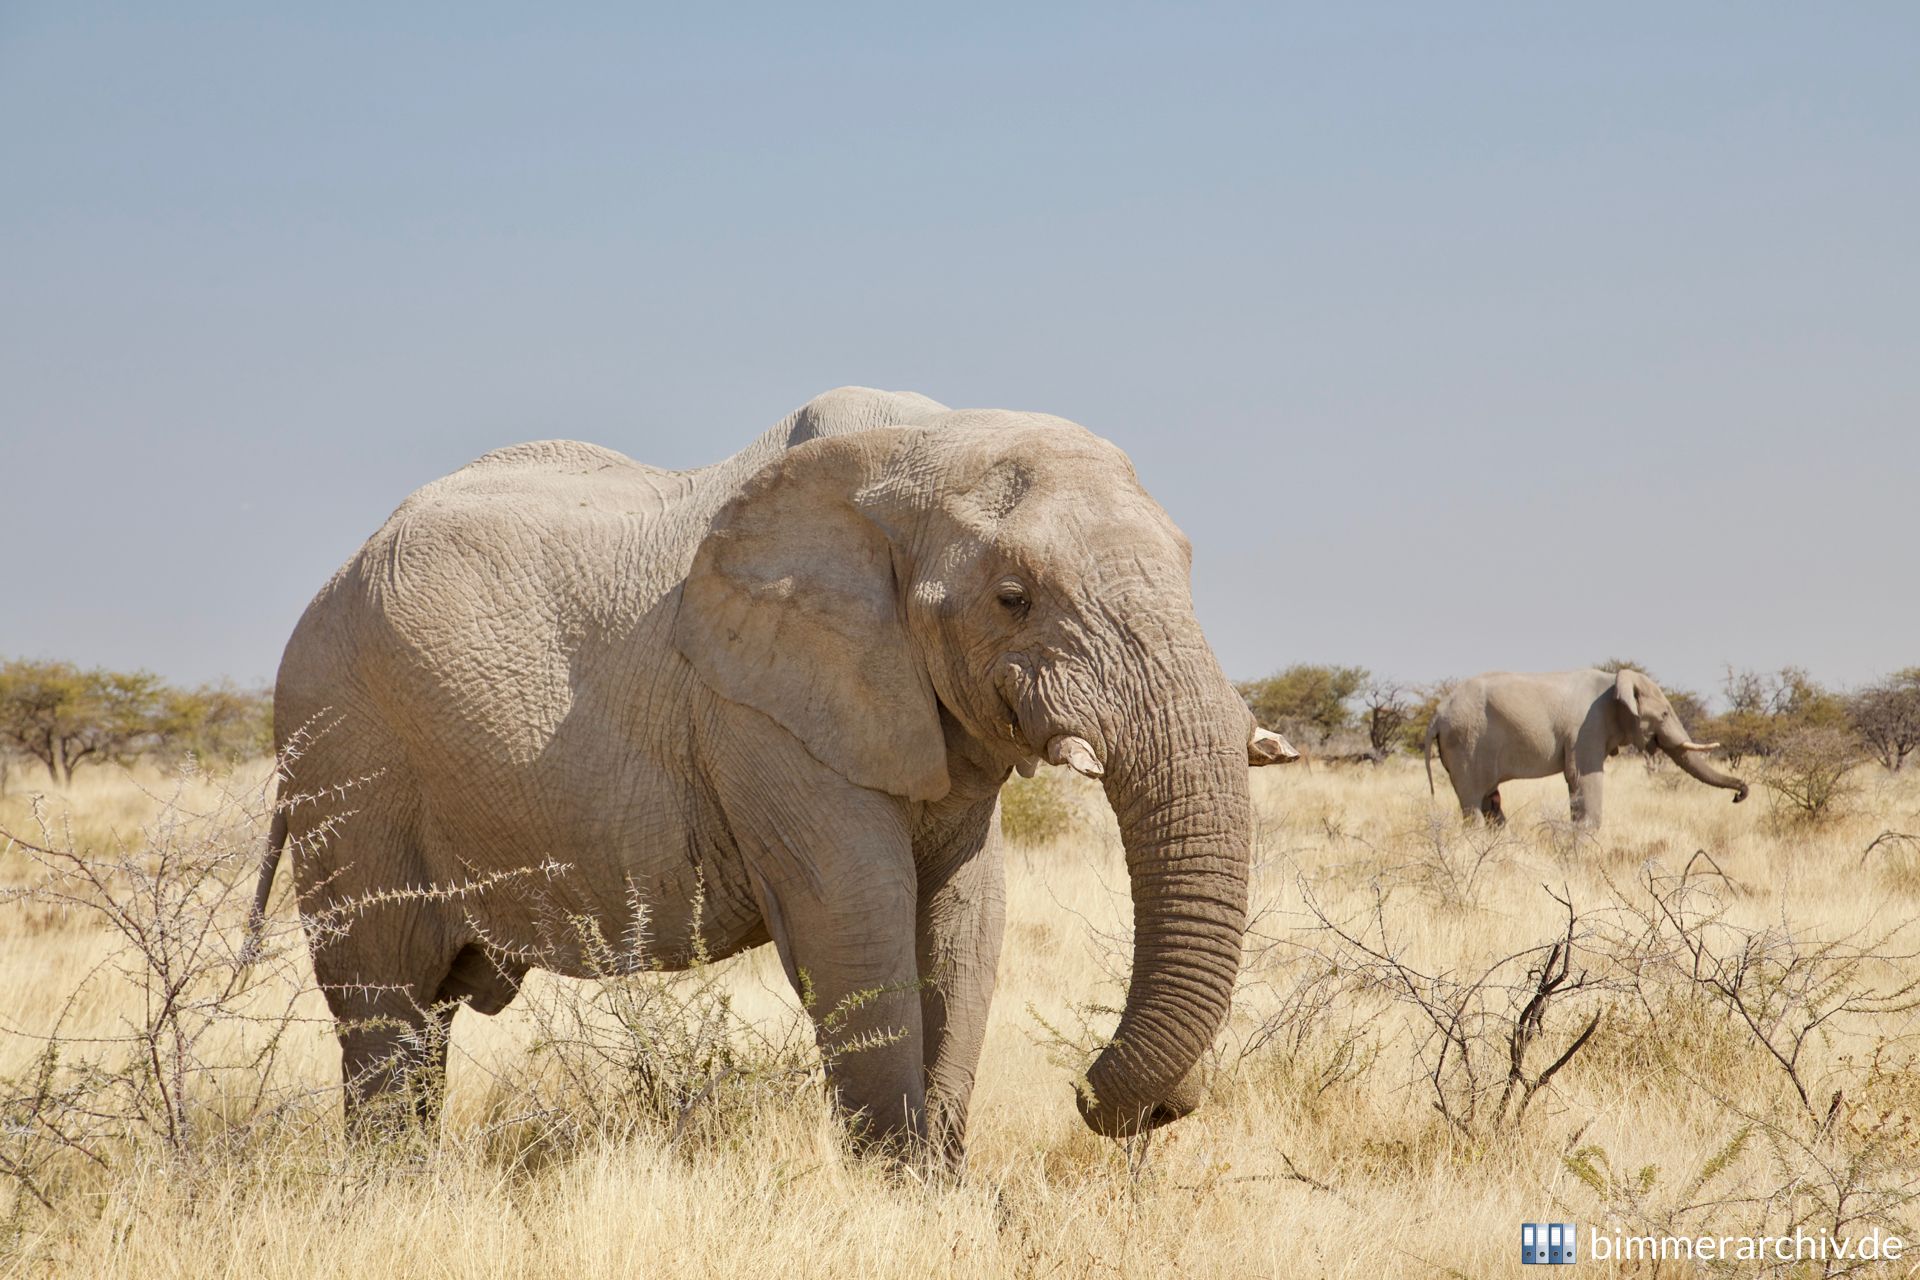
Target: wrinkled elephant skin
{"points": [[773, 699]]}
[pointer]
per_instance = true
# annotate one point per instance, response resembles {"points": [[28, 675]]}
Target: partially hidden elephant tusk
{"points": [[1026, 768], [1699, 746], [1075, 753], [1269, 747]]}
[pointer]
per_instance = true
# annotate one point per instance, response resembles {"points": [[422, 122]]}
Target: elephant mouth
{"points": [[1026, 759], [1027, 762], [1027, 765]]}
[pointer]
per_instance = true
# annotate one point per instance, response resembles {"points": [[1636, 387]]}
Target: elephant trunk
{"points": [[1695, 762], [1179, 792]]}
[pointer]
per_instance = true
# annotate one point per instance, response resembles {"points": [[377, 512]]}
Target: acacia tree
{"points": [[1386, 713], [64, 717], [1886, 715], [215, 721], [1765, 708], [1306, 698]]}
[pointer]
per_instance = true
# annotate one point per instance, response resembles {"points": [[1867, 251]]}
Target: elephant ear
{"points": [[794, 607], [1626, 691]]}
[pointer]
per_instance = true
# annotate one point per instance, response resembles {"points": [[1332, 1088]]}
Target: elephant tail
{"points": [[257, 918], [1433, 732]]}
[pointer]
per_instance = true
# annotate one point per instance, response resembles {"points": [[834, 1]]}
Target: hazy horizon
{"points": [[1434, 329]]}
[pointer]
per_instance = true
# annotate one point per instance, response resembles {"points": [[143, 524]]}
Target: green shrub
{"points": [[1809, 774], [1306, 699], [1037, 809], [1767, 709]]}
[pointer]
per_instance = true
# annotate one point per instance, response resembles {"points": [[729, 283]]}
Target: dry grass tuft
{"points": [[1699, 1021]]}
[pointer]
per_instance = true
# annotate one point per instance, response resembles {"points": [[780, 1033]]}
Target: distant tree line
{"points": [[1350, 711], [1345, 710], [67, 717]]}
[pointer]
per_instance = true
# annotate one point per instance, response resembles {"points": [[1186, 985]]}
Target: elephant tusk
{"points": [[1699, 746], [1269, 747], [1076, 754]]}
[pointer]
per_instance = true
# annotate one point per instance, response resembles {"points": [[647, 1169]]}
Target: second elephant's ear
{"points": [[1626, 690], [793, 607]]}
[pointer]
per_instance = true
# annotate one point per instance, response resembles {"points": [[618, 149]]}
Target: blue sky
{"points": [[1456, 337]]}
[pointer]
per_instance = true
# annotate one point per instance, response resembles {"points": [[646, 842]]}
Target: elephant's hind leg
{"points": [[1491, 811], [385, 976], [393, 1045], [393, 1054], [1469, 782]]}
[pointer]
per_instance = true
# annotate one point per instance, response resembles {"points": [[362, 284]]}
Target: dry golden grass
{"points": [[1322, 1153]]}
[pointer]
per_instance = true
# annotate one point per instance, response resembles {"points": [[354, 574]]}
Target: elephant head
{"points": [[1644, 718], [1000, 585]]}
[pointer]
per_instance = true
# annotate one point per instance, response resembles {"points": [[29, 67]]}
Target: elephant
{"points": [[1505, 725], [772, 700]]}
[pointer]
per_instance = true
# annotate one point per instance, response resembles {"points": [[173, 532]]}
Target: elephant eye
{"points": [[1013, 597]]}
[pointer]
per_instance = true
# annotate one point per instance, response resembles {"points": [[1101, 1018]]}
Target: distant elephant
{"points": [[1506, 725], [772, 699]]}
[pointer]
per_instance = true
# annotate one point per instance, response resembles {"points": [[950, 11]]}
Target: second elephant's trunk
{"points": [[1697, 764]]}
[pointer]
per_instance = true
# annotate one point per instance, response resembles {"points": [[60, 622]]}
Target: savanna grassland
{"points": [[1701, 1021]]}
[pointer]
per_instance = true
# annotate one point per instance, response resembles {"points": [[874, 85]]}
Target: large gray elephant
{"points": [[1505, 725], [773, 699]]}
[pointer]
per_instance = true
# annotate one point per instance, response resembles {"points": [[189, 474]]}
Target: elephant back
{"points": [[495, 593]]}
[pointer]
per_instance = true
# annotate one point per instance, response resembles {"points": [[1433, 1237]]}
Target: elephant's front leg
{"points": [[962, 917], [1585, 794], [846, 938], [832, 869]]}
